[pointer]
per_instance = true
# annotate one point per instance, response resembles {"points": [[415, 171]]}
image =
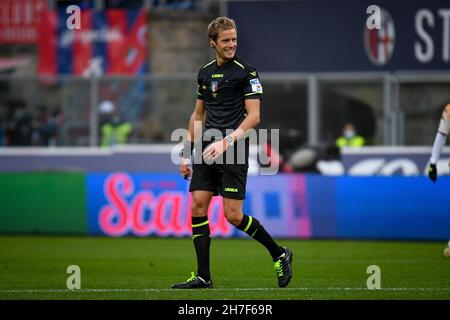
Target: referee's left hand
{"points": [[214, 150]]}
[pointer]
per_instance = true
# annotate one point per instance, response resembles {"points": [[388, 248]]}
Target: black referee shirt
{"points": [[224, 90]]}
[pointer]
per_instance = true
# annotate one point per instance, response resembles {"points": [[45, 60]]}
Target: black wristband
{"points": [[187, 150]]}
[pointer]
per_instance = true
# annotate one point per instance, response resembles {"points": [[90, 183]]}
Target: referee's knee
{"points": [[199, 208], [233, 216]]}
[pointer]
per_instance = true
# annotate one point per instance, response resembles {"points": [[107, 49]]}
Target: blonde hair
{"points": [[220, 24]]}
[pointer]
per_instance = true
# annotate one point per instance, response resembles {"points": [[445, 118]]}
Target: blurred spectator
{"points": [[51, 127], [45, 127], [349, 137], [2, 133], [38, 123], [2, 125], [114, 130], [106, 110], [19, 127]]}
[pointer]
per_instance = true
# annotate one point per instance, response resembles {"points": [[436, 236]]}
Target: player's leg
{"points": [[202, 240], [251, 226], [203, 186], [281, 256], [201, 234]]}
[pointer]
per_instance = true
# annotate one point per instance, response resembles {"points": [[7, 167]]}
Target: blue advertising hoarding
{"points": [[290, 206]]}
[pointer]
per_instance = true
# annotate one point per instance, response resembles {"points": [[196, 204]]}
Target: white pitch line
{"points": [[215, 289]]}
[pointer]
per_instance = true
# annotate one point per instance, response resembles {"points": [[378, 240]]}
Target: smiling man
{"points": [[228, 100]]}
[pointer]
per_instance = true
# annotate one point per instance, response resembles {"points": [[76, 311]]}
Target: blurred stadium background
{"points": [[86, 118]]}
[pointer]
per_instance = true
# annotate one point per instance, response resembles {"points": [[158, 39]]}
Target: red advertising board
{"points": [[19, 20]]}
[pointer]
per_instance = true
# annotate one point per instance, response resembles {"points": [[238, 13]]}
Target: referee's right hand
{"points": [[185, 168]]}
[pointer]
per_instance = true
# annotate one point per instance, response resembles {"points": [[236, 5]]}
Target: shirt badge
{"points": [[256, 85], [214, 87]]}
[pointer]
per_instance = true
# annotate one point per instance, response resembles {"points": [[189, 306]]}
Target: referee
{"points": [[228, 100]]}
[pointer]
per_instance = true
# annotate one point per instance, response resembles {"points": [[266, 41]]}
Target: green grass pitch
{"points": [[34, 267]]}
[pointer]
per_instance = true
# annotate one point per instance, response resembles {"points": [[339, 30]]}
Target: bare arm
{"points": [[194, 134], [252, 120], [196, 121]]}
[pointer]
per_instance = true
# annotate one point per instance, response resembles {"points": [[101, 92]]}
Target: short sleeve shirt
{"points": [[224, 90]]}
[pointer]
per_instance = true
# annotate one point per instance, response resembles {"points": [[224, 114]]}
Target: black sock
{"points": [[201, 237], [254, 229]]}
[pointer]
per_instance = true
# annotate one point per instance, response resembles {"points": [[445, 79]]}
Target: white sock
{"points": [[439, 142]]}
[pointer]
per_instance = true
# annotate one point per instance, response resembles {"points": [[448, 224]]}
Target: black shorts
{"points": [[227, 180]]}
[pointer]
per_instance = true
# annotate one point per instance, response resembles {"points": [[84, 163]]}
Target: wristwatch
{"points": [[229, 140]]}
